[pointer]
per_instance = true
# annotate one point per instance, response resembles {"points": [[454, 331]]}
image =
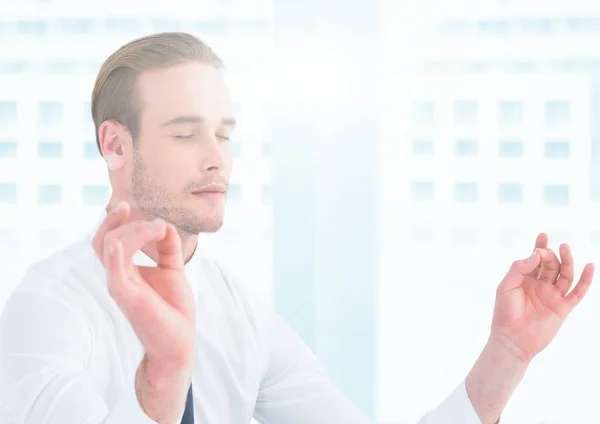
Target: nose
{"points": [[212, 155]]}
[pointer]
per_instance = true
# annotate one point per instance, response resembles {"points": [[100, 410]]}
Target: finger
{"points": [[135, 235], [169, 250], [116, 217], [581, 288], [567, 271], [172, 287], [550, 266], [541, 242], [149, 315], [117, 274], [518, 271]]}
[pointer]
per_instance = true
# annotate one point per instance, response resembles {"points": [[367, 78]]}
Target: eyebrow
{"points": [[195, 119]]}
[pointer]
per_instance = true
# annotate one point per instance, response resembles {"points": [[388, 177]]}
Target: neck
{"points": [[188, 241]]}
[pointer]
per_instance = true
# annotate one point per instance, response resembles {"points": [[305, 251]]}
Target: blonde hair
{"points": [[115, 92]]}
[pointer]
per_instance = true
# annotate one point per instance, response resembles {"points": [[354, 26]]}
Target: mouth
{"points": [[212, 191]]}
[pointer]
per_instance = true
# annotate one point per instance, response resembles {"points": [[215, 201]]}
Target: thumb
{"points": [[519, 270]]}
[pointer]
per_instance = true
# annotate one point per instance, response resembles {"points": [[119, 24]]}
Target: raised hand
{"points": [[533, 300], [157, 301]]}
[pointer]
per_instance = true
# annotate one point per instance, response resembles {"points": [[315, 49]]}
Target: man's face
{"points": [[182, 158]]}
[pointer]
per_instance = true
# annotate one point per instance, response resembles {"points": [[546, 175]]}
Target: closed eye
{"points": [[184, 136]]}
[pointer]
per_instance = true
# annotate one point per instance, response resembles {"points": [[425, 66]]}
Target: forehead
{"points": [[187, 89]]}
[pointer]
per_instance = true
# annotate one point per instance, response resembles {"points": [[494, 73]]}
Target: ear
{"points": [[113, 138]]}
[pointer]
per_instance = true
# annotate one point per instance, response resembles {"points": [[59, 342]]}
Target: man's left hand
{"points": [[533, 300]]}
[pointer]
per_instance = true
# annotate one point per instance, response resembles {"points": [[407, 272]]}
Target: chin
{"points": [[202, 225]]}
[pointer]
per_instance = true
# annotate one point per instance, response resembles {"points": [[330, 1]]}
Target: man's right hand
{"points": [[158, 302]]}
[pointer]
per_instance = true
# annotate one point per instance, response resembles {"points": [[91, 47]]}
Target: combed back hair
{"points": [[115, 95]]}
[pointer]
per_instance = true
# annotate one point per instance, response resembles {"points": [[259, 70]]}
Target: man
{"points": [[133, 325]]}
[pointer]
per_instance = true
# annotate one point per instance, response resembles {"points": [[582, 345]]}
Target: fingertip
{"points": [[121, 210], [172, 232], [591, 268], [539, 253], [542, 240], [529, 264]]}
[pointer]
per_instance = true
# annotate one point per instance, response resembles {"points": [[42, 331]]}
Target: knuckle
{"points": [[108, 238]]}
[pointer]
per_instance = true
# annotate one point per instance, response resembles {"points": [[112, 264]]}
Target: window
{"points": [[421, 190], [76, 26], [557, 149], [465, 112], [423, 113], [522, 66], [95, 195], [236, 149], [33, 27], [50, 114], [556, 194], [510, 193], [90, 150], [234, 193], [212, 27], [13, 67], [473, 67], [87, 115], [465, 192], [92, 68], [465, 148], [267, 150], [422, 147], [422, 234], [50, 149], [57, 67], [8, 193], [537, 26], [455, 27], [8, 114], [238, 109], [166, 25], [248, 26], [464, 236], [557, 112], [511, 113], [494, 27], [584, 24], [266, 195], [6, 27], [7, 237], [126, 25], [49, 194], [8, 149], [8, 244], [510, 149]]}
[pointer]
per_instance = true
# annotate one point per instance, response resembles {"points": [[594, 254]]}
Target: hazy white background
{"points": [[490, 133]]}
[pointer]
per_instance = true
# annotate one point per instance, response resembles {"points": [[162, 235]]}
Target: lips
{"points": [[213, 188]]}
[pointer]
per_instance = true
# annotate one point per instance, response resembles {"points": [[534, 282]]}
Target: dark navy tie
{"points": [[188, 413]]}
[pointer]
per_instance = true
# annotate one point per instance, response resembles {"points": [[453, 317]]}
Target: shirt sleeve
{"points": [[296, 390], [44, 348]]}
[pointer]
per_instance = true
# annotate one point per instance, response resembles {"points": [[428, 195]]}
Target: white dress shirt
{"points": [[69, 356]]}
